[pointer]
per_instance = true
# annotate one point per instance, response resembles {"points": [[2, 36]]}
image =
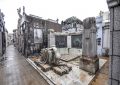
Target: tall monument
{"points": [[114, 71], [89, 60]]}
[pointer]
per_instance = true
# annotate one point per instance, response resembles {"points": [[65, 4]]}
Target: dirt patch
{"points": [[82, 77]]}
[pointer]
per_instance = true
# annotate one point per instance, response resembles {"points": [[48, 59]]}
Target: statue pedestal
{"points": [[89, 64]]}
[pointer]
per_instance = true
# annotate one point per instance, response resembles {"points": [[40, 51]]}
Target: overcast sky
{"points": [[53, 9]]}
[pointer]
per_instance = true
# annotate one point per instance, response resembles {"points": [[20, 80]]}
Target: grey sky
{"points": [[52, 9]]}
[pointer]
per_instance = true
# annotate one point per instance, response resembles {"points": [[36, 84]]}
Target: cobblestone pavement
{"points": [[15, 70]]}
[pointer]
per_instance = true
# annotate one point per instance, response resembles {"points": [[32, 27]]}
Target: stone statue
{"points": [[19, 12]]}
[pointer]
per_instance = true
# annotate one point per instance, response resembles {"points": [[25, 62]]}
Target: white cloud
{"points": [[53, 9]]}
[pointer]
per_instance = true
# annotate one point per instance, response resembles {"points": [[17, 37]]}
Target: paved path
{"points": [[17, 71], [103, 75]]}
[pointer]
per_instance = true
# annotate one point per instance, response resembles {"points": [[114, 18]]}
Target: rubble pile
{"points": [[50, 60]]}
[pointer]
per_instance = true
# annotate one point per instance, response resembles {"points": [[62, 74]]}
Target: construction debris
{"points": [[45, 67], [50, 60], [75, 77]]}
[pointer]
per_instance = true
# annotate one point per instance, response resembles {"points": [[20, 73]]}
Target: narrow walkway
{"points": [[17, 71], [103, 75]]}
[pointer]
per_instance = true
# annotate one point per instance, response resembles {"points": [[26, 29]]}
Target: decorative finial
{"points": [[23, 9], [19, 12]]}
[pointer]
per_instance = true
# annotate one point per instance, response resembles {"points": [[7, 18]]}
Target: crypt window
{"points": [[99, 41], [61, 41], [76, 41], [74, 25]]}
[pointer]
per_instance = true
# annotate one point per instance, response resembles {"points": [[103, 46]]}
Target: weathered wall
{"points": [[68, 49], [52, 25], [114, 71], [89, 60], [51, 39], [99, 35], [89, 37], [106, 39], [2, 34], [0, 44], [106, 30]]}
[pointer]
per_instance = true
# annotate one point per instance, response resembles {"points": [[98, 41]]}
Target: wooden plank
{"points": [[58, 71], [45, 67]]}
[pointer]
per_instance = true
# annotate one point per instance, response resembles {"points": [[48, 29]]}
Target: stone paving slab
{"points": [[17, 71]]}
